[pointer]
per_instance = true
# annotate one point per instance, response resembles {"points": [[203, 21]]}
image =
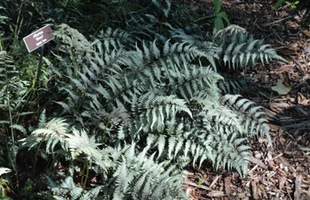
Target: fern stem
{"points": [[83, 174], [161, 24], [17, 21], [1, 44], [11, 126], [87, 174], [36, 157], [50, 165], [73, 64]]}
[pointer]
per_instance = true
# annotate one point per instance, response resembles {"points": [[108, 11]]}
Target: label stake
{"points": [[40, 63]]}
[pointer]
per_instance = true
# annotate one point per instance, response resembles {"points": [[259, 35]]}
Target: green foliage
{"points": [[28, 189], [140, 177], [293, 4], [233, 83], [219, 15], [2, 18], [12, 88]]}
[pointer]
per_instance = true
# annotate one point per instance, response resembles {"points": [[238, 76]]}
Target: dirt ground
{"points": [[281, 172]]}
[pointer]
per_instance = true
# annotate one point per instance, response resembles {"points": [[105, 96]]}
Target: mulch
{"points": [[281, 172]]}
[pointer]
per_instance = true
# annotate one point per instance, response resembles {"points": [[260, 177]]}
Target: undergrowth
{"points": [[131, 94]]}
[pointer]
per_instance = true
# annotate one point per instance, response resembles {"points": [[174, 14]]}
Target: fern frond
{"points": [[238, 51], [252, 115], [164, 96], [193, 80], [163, 5], [229, 30], [155, 110], [53, 133], [79, 143], [233, 84], [67, 187], [139, 176], [112, 39], [4, 170], [231, 153]]}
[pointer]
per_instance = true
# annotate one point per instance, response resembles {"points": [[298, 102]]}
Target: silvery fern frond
{"points": [[251, 114], [139, 176], [53, 132], [238, 51], [80, 144]]}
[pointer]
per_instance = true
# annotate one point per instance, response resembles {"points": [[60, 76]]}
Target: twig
{"points": [[254, 189], [299, 66], [196, 185], [298, 125], [216, 193], [277, 21], [256, 161], [227, 186], [214, 181], [253, 168], [297, 187]]}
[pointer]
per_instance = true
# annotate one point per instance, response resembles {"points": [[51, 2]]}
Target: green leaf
{"points": [[278, 4], [200, 181], [218, 23], [217, 5], [223, 15]]}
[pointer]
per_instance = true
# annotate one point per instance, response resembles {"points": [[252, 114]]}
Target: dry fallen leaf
{"points": [[282, 181], [216, 193], [281, 87]]}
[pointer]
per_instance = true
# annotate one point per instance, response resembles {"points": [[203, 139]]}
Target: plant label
{"points": [[38, 38]]}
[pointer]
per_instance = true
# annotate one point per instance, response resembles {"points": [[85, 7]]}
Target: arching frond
{"points": [[233, 84], [238, 51], [252, 115], [53, 133], [79, 143]]}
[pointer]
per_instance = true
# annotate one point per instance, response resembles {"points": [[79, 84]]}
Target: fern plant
{"points": [[152, 86], [138, 103]]}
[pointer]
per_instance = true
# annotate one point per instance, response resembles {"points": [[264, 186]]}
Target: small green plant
{"points": [[293, 4], [219, 16]]}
